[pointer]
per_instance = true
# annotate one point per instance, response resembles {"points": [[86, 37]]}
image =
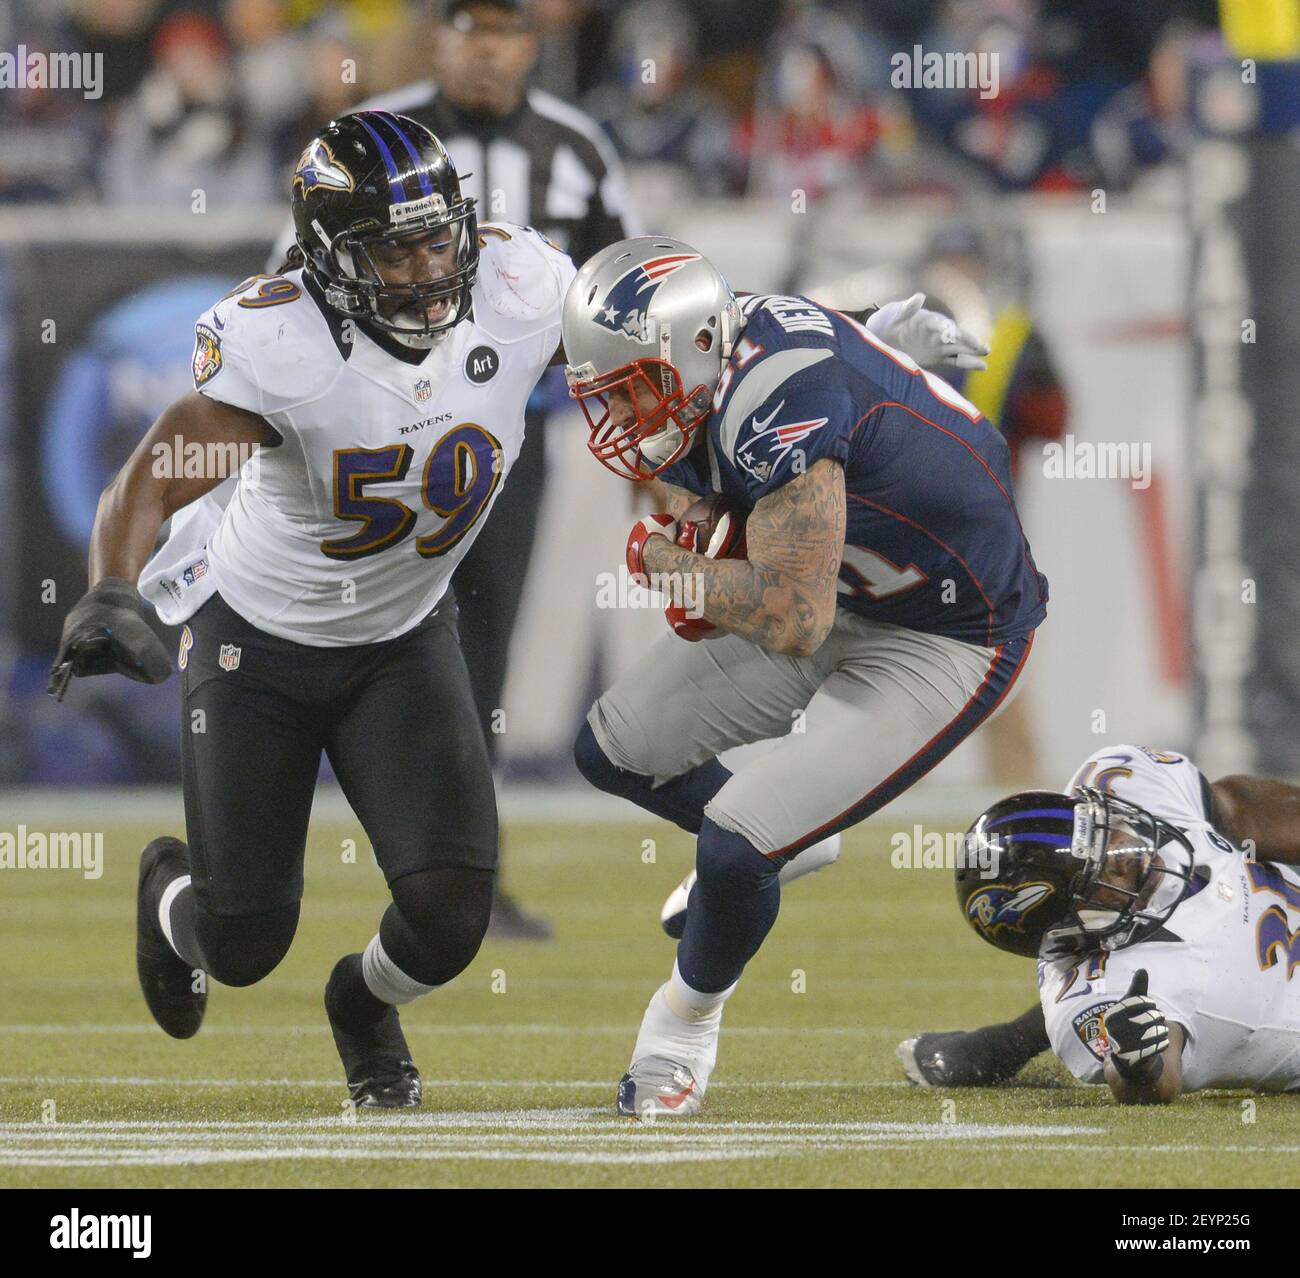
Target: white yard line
{"points": [[737, 1031], [571, 1136], [111, 1080], [586, 1122]]}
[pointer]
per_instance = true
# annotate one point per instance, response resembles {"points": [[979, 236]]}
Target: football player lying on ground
{"points": [[380, 390], [886, 606], [1164, 911]]}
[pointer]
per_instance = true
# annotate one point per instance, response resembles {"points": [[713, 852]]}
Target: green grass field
{"points": [[519, 1081]]}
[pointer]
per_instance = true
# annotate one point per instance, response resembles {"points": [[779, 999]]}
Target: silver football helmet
{"points": [[649, 325]]}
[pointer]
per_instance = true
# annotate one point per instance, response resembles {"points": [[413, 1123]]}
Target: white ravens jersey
{"points": [[348, 530], [1222, 967]]}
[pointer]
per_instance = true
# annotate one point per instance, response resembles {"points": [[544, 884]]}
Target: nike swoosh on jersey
{"points": [[790, 433]]}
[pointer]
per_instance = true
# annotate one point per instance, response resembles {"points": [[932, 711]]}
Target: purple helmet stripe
{"points": [[1055, 840], [426, 186], [1063, 814], [394, 181]]}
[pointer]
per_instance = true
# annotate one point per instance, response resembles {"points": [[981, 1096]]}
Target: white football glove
{"points": [[933, 340]]}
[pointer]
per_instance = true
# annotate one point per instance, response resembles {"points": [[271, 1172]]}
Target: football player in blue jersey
{"points": [[883, 610]]}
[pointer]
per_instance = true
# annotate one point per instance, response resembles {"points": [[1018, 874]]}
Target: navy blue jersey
{"points": [[933, 541]]}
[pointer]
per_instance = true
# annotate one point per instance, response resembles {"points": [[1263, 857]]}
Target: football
{"points": [[713, 526]]}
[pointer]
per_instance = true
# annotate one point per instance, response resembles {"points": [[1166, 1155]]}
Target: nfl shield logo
{"points": [[423, 390], [228, 659]]}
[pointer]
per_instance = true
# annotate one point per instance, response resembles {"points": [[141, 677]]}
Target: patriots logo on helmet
{"points": [[627, 302], [996, 907], [318, 170]]}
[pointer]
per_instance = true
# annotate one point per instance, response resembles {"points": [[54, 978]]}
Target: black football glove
{"points": [[1137, 1032], [105, 633]]}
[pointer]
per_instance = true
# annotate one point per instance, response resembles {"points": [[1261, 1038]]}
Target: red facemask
{"points": [[618, 447]]}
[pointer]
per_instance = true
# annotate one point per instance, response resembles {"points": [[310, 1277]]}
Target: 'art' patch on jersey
{"points": [[1090, 1029], [770, 442], [481, 365], [207, 355]]}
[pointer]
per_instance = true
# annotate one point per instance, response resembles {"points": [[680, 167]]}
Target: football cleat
{"points": [[672, 918], [671, 1062], [655, 1086], [376, 1059], [167, 981], [953, 1058]]}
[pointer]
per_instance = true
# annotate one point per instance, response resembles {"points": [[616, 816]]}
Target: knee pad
{"points": [[241, 949], [437, 921], [726, 859]]}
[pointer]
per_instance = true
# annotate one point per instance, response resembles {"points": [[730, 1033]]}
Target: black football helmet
{"points": [[366, 184], [1048, 874]]}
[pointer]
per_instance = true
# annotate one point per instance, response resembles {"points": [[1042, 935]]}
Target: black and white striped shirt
{"points": [[545, 165]]}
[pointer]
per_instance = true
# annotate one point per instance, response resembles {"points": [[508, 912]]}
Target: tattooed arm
{"points": [[783, 596]]}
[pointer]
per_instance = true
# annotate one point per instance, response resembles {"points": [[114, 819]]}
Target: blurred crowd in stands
{"points": [[736, 97]]}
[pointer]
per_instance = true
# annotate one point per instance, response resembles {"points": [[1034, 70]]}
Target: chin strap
{"points": [[732, 322]]}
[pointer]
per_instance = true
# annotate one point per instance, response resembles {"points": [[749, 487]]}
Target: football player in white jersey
{"points": [[1164, 911], [375, 395]]}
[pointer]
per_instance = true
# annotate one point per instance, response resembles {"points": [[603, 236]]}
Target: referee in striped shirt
{"points": [[526, 157]]}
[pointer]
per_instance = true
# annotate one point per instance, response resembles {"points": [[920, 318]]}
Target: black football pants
{"points": [[396, 720]]}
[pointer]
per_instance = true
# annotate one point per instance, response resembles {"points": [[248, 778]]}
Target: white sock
{"points": [[385, 980], [170, 893], [691, 1005], [690, 1039], [817, 857]]}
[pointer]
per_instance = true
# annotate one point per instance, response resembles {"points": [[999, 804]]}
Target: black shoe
{"points": [[511, 923], [957, 1058], [167, 981], [376, 1059]]}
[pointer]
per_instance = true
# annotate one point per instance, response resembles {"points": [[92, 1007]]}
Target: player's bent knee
{"points": [[727, 859], [594, 764], [243, 949], [437, 922]]}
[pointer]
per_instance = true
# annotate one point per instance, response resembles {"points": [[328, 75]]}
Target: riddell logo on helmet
{"points": [[399, 213], [626, 305]]}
